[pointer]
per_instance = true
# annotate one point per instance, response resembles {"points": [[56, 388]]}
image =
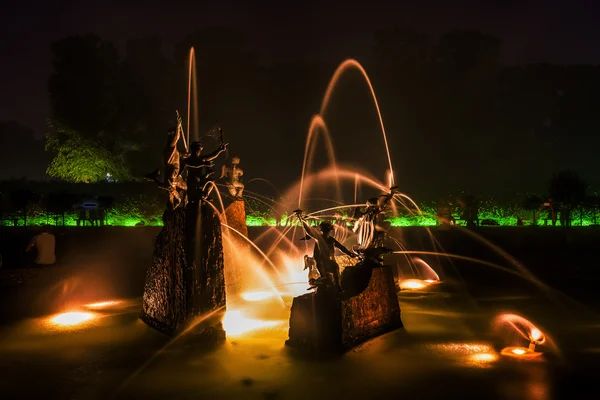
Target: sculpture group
{"points": [[346, 308], [187, 277]]}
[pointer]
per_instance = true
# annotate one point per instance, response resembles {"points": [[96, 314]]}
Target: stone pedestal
{"points": [[323, 322], [372, 312], [186, 279], [235, 214], [236, 247]]}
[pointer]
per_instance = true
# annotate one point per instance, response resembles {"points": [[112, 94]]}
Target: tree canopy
{"points": [[80, 159]]}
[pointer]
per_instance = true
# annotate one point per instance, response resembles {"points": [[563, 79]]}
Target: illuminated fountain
{"points": [[427, 276], [519, 329], [274, 278]]}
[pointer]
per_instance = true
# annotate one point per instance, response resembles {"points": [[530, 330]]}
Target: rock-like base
{"points": [[236, 248], [323, 322], [315, 323], [186, 279], [235, 214], [374, 311]]}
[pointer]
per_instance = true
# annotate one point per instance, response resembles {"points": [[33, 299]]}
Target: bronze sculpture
{"points": [[173, 181], [367, 227], [324, 253], [233, 175], [199, 170], [186, 278]]}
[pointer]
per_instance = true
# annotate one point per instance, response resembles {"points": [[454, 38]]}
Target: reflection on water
{"points": [[70, 319]]}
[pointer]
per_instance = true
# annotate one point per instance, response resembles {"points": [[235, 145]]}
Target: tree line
{"points": [[457, 118]]}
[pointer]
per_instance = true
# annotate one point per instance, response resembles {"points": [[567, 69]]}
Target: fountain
{"points": [[520, 329], [186, 279], [424, 275], [201, 248]]}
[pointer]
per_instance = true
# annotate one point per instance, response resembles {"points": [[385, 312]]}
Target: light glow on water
{"points": [[415, 284], [235, 324], [70, 319], [258, 295], [520, 353], [103, 304]]}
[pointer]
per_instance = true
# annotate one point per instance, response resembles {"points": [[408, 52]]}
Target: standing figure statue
{"points": [[324, 252], [367, 226], [233, 175], [173, 181], [200, 171]]}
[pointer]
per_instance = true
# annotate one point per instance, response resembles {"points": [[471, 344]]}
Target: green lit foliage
{"points": [[132, 204], [79, 159], [125, 204]]}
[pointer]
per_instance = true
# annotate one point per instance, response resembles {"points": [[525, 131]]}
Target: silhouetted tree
{"points": [[59, 203], [21, 154], [149, 94], [532, 203], [470, 209], [84, 87], [87, 96], [568, 189], [21, 200]]}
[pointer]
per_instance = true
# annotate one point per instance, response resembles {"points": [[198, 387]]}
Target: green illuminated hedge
{"points": [[142, 203]]}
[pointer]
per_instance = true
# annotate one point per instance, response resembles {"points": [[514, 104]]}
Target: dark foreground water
{"points": [[448, 348]]}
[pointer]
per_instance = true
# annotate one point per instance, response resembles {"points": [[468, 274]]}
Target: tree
{"points": [[567, 189], [532, 203], [21, 200], [80, 159], [84, 87], [88, 94], [149, 98], [21, 153], [593, 202], [59, 203]]}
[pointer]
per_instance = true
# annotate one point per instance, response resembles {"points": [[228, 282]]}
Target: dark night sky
{"points": [[564, 32]]}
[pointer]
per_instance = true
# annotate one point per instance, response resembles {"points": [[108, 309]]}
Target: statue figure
{"points": [[340, 227], [233, 173], [187, 275], [367, 226], [200, 170], [324, 252], [173, 181], [313, 273]]}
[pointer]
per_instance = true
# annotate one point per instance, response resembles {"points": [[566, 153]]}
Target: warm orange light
{"points": [[236, 324], [409, 284], [258, 296], [520, 352], [71, 318], [103, 304], [484, 357], [536, 335], [296, 280]]}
